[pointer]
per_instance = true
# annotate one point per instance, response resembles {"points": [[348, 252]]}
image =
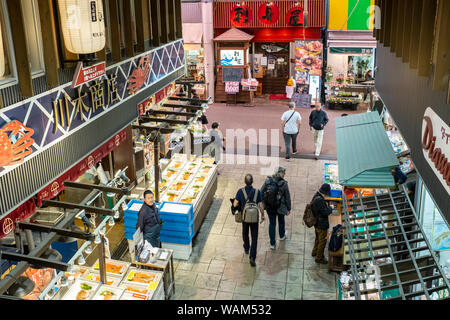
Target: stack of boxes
{"points": [[178, 228]]}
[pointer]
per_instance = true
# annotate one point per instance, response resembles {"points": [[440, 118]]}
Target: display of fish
{"points": [[272, 48]]}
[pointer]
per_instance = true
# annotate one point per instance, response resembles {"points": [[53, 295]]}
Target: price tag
{"points": [[153, 286]]}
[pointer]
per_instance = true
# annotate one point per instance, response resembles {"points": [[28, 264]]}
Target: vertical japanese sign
{"points": [[294, 17]]}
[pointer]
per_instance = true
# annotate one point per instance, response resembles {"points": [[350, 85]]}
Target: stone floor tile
{"points": [[224, 295], [319, 280], [208, 281], [201, 267], [295, 261], [313, 295], [227, 285], [269, 289], [238, 296], [272, 273], [293, 291], [186, 278], [193, 293], [295, 275], [310, 264], [178, 292], [186, 266], [216, 266]]}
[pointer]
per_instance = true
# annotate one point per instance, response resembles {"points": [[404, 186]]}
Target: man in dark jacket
{"points": [[239, 203], [318, 119], [278, 208], [321, 211], [149, 221]]}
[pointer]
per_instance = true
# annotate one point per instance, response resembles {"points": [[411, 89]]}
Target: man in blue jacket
{"points": [[321, 211], [318, 119], [149, 221]]}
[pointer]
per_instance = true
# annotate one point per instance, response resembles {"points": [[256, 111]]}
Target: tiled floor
{"points": [[218, 267]]}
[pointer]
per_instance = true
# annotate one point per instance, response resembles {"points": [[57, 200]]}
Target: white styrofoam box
{"points": [[175, 208], [159, 292], [180, 251]]}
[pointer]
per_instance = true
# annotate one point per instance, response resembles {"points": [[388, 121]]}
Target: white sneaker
{"points": [[272, 247], [284, 238]]}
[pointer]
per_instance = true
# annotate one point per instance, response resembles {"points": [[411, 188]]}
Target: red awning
{"points": [[279, 34]]}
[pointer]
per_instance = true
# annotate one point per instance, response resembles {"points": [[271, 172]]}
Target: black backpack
{"points": [[272, 196], [336, 238]]}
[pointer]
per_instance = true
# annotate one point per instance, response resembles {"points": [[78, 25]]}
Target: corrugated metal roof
{"points": [[365, 154]]}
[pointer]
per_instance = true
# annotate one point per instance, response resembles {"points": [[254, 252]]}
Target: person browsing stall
{"points": [[148, 220]]}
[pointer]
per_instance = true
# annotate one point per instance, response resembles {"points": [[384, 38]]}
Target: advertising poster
{"points": [[231, 87], [308, 59]]}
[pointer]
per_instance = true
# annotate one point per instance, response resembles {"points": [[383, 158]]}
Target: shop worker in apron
{"points": [[149, 221]]}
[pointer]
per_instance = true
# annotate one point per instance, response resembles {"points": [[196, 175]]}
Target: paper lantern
{"points": [[2, 54], [83, 25]]}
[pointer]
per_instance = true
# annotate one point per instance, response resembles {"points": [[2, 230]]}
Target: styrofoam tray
{"points": [[152, 282], [75, 289], [116, 293], [112, 280], [135, 288], [122, 265]]}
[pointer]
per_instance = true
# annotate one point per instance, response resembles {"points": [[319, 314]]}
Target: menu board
{"points": [[232, 74], [301, 100]]}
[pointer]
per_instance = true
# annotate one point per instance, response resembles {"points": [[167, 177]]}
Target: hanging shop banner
{"points": [[83, 75], [241, 16], [294, 17], [436, 146], [308, 59], [352, 15], [231, 87], [268, 13], [23, 212], [368, 51], [53, 115]]}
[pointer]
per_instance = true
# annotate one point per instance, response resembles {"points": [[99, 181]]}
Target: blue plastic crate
{"points": [[336, 193], [175, 240], [187, 233], [176, 226], [171, 216]]}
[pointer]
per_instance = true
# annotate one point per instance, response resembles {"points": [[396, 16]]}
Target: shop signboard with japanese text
{"points": [[32, 125], [232, 57]]}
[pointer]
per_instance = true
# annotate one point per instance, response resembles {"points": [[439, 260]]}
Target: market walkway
{"points": [[266, 114], [219, 269]]}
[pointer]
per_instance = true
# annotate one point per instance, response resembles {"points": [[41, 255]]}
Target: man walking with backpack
{"points": [[321, 211], [277, 202], [249, 202], [291, 127]]}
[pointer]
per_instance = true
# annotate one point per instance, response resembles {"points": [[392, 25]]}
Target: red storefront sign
{"points": [[241, 16], [28, 208], [268, 13], [294, 17], [86, 74], [225, 14]]}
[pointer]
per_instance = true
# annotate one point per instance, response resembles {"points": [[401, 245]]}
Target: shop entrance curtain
{"points": [[365, 154], [192, 32]]}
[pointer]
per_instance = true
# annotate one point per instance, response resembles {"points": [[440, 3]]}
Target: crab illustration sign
{"points": [[30, 126]]}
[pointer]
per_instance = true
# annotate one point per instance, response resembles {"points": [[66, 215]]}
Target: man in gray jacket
{"points": [[277, 203]]}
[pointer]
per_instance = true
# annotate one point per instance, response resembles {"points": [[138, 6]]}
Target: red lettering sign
{"points": [[86, 74], [436, 155], [294, 17], [268, 13], [241, 15]]}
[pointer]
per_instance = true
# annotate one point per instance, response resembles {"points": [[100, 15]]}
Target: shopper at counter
{"points": [[277, 202], [149, 221], [321, 211], [399, 176], [216, 146], [318, 119], [239, 203]]}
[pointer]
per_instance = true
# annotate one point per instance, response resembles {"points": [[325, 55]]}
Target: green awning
{"points": [[365, 154]]}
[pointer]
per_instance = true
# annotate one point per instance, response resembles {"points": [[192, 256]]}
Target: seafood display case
{"points": [[123, 283]]}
